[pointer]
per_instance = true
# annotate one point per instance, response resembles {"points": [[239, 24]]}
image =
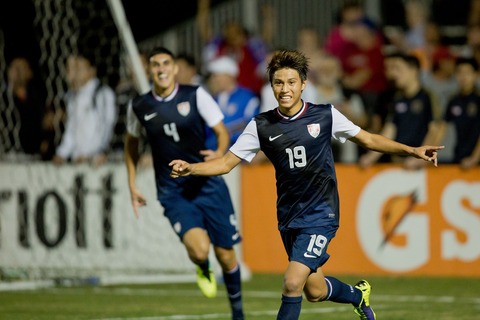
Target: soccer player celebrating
{"points": [[199, 208], [296, 137]]}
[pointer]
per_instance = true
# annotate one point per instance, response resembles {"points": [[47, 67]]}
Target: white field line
{"points": [[227, 315], [251, 294], [270, 295]]}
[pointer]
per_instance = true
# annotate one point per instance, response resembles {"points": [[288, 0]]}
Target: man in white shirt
{"points": [[91, 114]]}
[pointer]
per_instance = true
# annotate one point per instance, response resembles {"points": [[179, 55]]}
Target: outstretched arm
{"points": [[389, 131], [213, 167], [382, 144]]}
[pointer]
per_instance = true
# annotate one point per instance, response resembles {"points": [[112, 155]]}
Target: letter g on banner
{"points": [[384, 210]]}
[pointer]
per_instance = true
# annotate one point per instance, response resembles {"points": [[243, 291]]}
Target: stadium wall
{"points": [[76, 221], [393, 221], [67, 220]]}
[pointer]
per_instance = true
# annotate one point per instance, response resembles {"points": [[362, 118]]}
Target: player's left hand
{"points": [[428, 153], [180, 168]]}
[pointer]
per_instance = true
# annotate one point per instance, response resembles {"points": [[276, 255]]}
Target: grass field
{"points": [[393, 298]]}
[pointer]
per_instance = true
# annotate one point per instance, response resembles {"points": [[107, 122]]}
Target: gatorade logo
{"points": [[394, 221]]}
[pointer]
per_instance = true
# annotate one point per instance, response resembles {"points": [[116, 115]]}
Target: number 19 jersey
{"points": [[299, 148]]}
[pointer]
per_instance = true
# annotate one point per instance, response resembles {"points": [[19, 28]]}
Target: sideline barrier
{"points": [[77, 221], [392, 221]]}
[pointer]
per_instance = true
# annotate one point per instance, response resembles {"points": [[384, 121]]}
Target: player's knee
{"points": [[198, 254], [198, 245], [226, 257], [292, 286]]}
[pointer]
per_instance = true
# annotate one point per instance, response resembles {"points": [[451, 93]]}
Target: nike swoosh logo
{"points": [[273, 138], [306, 255], [149, 116]]}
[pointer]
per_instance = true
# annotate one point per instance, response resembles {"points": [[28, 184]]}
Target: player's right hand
{"points": [[179, 168], [138, 200]]}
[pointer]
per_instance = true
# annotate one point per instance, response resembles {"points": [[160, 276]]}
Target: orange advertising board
{"points": [[392, 221]]}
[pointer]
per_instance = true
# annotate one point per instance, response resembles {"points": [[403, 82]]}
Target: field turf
{"points": [[393, 298]]}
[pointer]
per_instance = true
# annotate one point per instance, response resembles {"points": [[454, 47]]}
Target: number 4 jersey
{"points": [[299, 148], [175, 129]]}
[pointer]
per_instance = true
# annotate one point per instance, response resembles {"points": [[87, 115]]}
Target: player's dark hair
{"points": [[470, 61], [291, 59], [160, 50]]}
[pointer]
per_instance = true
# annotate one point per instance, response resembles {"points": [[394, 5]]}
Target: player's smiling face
{"points": [[287, 87], [163, 70]]}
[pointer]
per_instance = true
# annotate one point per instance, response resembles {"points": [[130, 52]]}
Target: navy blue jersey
{"points": [[464, 113], [175, 129], [412, 117], [300, 150]]}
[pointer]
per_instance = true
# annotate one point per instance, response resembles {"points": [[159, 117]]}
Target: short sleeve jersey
{"points": [[299, 148], [175, 129], [464, 112]]}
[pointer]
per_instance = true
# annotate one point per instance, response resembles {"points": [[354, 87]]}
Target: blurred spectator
{"points": [[53, 125], [248, 51], [463, 111], [433, 48], [414, 111], [385, 98], [26, 117], [416, 19], [91, 114], [441, 80], [473, 40], [339, 39], [309, 42], [416, 15], [188, 72], [363, 64], [126, 90], [442, 83], [238, 104], [330, 91]]}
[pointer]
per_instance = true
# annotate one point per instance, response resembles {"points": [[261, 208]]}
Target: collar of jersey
{"points": [[296, 115], [167, 98]]}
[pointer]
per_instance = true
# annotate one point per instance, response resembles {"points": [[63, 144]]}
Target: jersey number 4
{"points": [[171, 131]]}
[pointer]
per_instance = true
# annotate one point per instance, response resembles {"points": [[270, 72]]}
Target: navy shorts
{"points": [[308, 246], [210, 209]]}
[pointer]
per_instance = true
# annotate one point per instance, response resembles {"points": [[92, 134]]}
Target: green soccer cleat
{"points": [[364, 310], [207, 284]]}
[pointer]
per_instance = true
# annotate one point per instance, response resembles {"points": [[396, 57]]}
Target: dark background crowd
{"points": [[411, 75]]}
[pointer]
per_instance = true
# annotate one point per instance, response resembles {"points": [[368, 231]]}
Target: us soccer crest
{"points": [[183, 108], [314, 129]]}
